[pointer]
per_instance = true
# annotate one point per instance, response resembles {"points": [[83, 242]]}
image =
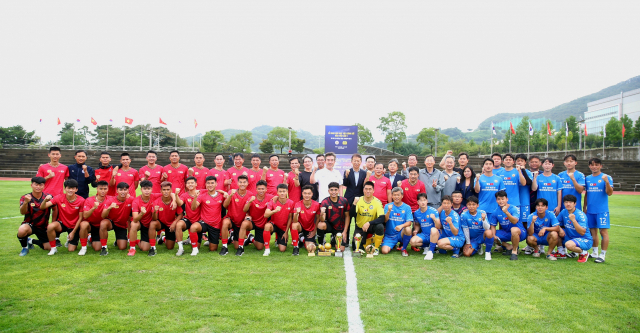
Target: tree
{"points": [[427, 137], [409, 148], [521, 137], [241, 142], [100, 135], [67, 137], [393, 126], [17, 135], [636, 130], [279, 137], [614, 132], [266, 147], [212, 141], [365, 138], [457, 146], [628, 127], [572, 123], [297, 145]]}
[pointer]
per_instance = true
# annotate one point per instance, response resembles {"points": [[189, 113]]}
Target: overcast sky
{"points": [[241, 64]]}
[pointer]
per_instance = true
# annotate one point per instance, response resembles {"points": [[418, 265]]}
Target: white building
{"points": [[599, 112]]}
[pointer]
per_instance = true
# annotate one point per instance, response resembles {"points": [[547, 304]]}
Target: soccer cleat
{"points": [[104, 251], [230, 239], [53, 251], [266, 252], [194, 251], [513, 257], [296, 251], [376, 252], [58, 244], [455, 255], [224, 251], [24, 251], [160, 239], [405, 253], [180, 252], [399, 246], [528, 250], [498, 248], [186, 242], [249, 240], [426, 250], [487, 256], [571, 255], [591, 255], [541, 249], [561, 256], [583, 257], [599, 260], [536, 255], [333, 240], [82, 251], [429, 255], [415, 249], [240, 252], [152, 252], [482, 249], [506, 252], [206, 243], [132, 252], [551, 257], [30, 247]]}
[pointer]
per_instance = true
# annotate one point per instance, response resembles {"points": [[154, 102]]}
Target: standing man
{"points": [[199, 171], [497, 161], [175, 173], [370, 163], [353, 185], [125, 174], [412, 188], [413, 162], [325, 176], [255, 173], [82, 173], [596, 205], [513, 179], [104, 172], [273, 175], [36, 217], [548, 186], [293, 180], [223, 181], [534, 166], [433, 180], [152, 172], [382, 185], [238, 170], [54, 173], [463, 160], [394, 177], [450, 176], [524, 194], [487, 185], [573, 181], [305, 176], [320, 160]]}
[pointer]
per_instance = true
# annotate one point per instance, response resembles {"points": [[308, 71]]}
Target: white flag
{"points": [[530, 129]]}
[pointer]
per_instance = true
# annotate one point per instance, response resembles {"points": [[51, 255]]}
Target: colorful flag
{"points": [[585, 129], [512, 130], [566, 130], [128, 121], [40, 119], [77, 120], [623, 130], [93, 121], [195, 122], [493, 128], [110, 120], [548, 129], [530, 129], [604, 131], [162, 122], [59, 121]]}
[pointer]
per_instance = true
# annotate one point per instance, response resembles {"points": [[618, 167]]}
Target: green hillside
{"points": [[260, 133]]}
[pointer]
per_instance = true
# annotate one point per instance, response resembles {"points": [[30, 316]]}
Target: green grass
{"points": [[210, 293]]}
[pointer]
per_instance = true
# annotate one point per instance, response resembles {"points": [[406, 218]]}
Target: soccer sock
{"points": [[152, 242], [488, 244], [405, 241], [603, 253], [24, 242], [368, 241], [224, 242], [584, 252], [377, 240], [595, 251], [456, 250], [158, 233], [321, 236], [432, 247], [164, 238], [37, 242], [52, 243], [241, 243], [103, 242], [193, 237], [179, 245], [266, 237], [294, 237], [83, 242]]}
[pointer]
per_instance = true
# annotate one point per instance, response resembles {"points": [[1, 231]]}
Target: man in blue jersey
{"points": [[548, 185], [497, 161], [543, 228], [511, 229], [476, 229], [524, 194], [512, 178], [572, 180], [574, 223], [398, 218], [451, 237], [596, 205], [426, 229], [487, 185]]}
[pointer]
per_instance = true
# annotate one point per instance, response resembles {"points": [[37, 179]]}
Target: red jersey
{"points": [[155, 176], [105, 173], [139, 203], [307, 216], [38, 218], [254, 178], [95, 218], [221, 176], [201, 176], [121, 213], [68, 212], [166, 215], [130, 177], [295, 192], [257, 209], [191, 215], [234, 211], [211, 208], [53, 186], [176, 176], [274, 178], [281, 218], [380, 187], [411, 192], [234, 174]]}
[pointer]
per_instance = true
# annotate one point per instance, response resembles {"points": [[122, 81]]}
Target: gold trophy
{"points": [[358, 239], [338, 244], [325, 250], [370, 249], [311, 248]]}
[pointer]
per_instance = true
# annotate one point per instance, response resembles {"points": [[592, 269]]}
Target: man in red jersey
{"points": [[167, 215], [293, 180], [176, 173], [104, 171], [54, 173], [210, 205], [234, 203], [334, 217], [91, 218], [142, 212], [125, 174], [256, 207], [412, 187], [305, 220], [184, 199], [223, 181], [70, 208], [36, 217], [237, 170], [152, 171], [115, 216], [273, 175], [255, 173], [382, 185], [199, 171], [280, 211]]}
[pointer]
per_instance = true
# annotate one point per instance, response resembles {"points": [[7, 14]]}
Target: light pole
{"points": [[289, 140], [436, 153]]}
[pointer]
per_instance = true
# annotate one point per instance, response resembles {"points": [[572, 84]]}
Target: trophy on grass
{"points": [[325, 250], [338, 244], [358, 239], [370, 249], [311, 248]]}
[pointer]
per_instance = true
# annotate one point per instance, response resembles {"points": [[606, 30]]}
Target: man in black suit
{"points": [[394, 176], [353, 183]]}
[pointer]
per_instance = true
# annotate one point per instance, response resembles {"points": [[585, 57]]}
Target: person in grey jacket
{"points": [[433, 181], [450, 176]]}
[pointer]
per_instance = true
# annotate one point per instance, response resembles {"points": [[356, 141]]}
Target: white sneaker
{"points": [[180, 252], [206, 243], [53, 251], [195, 251], [266, 252], [482, 249], [429, 256], [528, 250], [498, 249], [487, 256], [541, 248], [426, 250], [82, 251]]}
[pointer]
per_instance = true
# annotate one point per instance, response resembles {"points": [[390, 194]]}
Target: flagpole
{"points": [[547, 154], [176, 144], [124, 140], [140, 138], [528, 141], [73, 129], [107, 143], [509, 140], [604, 135], [566, 137]]}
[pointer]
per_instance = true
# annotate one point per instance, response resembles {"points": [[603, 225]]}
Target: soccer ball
{"points": [[327, 246]]}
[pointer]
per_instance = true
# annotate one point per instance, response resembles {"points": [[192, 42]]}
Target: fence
{"points": [[102, 148]]}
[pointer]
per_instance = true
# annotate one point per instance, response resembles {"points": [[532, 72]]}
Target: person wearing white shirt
{"points": [[325, 176]]}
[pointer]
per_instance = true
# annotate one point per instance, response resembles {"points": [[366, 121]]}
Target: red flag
{"points": [[93, 121], [162, 122], [195, 122], [585, 129], [548, 128], [59, 121], [623, 130], [128, 121], [512, 130]]}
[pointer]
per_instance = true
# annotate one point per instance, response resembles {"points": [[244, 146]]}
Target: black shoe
{"points": [[249, 240], [231, 234], [514, 257], [152, 252], [506, 253], [224, 251], [240, 251], [599, 260], [296, 251], [160, 241], [104, 251], [58, 244]]}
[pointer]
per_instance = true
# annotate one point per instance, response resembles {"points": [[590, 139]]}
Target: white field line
{"points": [[353, 305]]}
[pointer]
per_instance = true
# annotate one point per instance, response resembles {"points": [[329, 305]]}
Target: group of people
{"points": [[398, 207]]}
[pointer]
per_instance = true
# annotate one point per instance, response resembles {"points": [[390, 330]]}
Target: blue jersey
{"points": [[473, 222], [548, 188], [424, 218], [568, 188], [399, 215], [446, 227], [498, 216], [567, 224], [525, 191], [511, 181], [597, 198], [488, 188], [549, 220], [498, 171]]}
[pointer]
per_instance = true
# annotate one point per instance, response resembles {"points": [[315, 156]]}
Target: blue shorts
{"points": [[426, 239], [583, 243], [477, 242], [598, 221], [391, 240], [505, 235], [456, 241], [542, 240], [524, 213]]}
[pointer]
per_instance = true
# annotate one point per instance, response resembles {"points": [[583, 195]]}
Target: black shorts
{"points": [[307, 236], [188, 223], [334, 231], [259, 235], [121, 233], [95, 234], [39, 232], [168, 235], [236, 231], [144, 232], [212, 233], [279, 233], [64, 228]]}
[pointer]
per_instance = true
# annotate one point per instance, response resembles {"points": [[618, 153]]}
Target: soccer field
{"points": [[281, 293]]}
